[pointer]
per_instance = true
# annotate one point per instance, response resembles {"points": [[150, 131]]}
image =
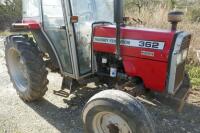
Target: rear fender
{"points": [[45, 46]]}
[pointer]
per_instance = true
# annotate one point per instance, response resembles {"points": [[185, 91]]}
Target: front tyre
{"points": [[114, 111], [26, 67]]}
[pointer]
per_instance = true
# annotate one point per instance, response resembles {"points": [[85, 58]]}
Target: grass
{"points": [[4, 33], [194, 73]]}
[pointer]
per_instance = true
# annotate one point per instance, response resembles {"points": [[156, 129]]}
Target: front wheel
{"points": [[114, 111]]}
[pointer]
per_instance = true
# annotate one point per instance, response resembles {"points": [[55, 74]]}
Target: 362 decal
{"points": [[132, 43], [149, 44]]}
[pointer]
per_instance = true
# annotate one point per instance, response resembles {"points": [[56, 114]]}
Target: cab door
{"points": [[88, 12], [85, 10], [55, 28]]}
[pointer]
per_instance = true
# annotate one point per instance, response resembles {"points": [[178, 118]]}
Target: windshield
{"points": [[93, 10], [104, 10]]}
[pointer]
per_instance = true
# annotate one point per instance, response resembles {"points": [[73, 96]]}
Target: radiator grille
{"points": [[180, 70], [186, 42]]}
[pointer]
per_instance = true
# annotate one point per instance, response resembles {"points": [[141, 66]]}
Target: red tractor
{"points": [[88, 39]]}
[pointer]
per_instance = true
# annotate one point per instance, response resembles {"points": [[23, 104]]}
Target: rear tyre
{"points": [[114, 111], [26, 67]]}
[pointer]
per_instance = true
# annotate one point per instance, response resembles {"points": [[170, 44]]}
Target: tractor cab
{"points": [[68, 26]]}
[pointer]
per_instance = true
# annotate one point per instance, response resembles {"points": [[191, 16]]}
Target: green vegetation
{"points": [[194, 73], [10, 11], [190, 7], [5, 33], [194, 14]]}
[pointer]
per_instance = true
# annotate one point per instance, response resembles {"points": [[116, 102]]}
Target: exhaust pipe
{"points": [[118, 18], [174, 18]]}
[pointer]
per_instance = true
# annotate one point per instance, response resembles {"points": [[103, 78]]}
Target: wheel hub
{"points": [[106, 122], [17, 69], [113, 128]]}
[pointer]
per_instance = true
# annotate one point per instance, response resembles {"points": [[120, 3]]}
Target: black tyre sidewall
{"points": [[111, 107], [133, 118]]}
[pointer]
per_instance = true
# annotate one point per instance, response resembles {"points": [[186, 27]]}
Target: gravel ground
{"points": [[62, 114]]}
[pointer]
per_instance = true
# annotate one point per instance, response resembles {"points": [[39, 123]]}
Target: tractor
{"points": [[88, 41]]}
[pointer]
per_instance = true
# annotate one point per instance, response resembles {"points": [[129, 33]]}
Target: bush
{"points": [[194, 73], [10, 11], [194, 14]]}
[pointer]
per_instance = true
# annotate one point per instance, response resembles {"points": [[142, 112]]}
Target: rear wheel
{"points": [[26, 67], [114, 111]]}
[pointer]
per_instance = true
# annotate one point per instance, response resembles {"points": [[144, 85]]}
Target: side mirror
{"points": [[118, 11]]}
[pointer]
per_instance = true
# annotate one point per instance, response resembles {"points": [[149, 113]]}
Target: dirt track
{"points": [[62, 114]]}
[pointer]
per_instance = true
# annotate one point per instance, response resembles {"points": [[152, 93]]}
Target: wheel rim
{"points": [[106, 122], [17, 69]]}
